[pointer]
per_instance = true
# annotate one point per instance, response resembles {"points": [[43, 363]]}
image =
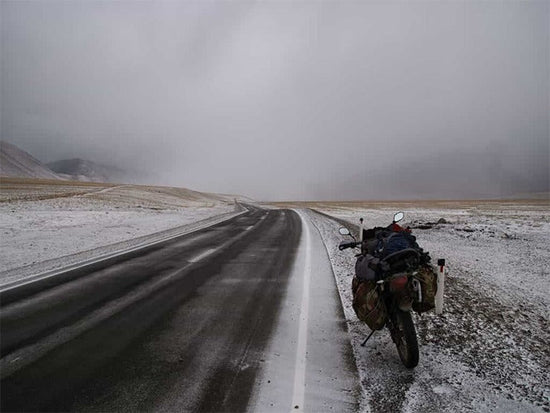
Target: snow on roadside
{"points": [[489, 350], [54, 230]]}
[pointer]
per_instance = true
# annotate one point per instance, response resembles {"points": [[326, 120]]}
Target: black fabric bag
{"points": [[362, 269]]}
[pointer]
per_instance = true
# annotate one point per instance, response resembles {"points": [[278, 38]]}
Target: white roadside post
{"points": [[440, 286], [361, 229]]}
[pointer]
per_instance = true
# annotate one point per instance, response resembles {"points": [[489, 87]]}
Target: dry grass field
{"points": [[541, 201], [32, 189]]}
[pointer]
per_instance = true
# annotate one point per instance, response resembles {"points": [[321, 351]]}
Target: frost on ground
{"points": [[44, 226], [489, 350]]}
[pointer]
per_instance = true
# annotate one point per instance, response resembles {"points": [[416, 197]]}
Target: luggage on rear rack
{"points": [[390, 242]]}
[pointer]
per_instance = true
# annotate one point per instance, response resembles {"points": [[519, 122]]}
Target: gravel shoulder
{"points": [[488, 351]]}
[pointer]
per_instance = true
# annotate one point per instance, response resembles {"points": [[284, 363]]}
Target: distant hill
{"points": [[86, 171], [15, 162], [18, 163]]}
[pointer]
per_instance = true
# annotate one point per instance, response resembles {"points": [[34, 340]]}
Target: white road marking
{"points": [[202, 255], [300, 366], [249, 228]]}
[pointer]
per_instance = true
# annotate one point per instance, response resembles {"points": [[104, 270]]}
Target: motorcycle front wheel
{"points": [[404, 336]]}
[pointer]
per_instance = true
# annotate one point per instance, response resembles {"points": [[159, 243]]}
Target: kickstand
{"points": [[365, 342]]}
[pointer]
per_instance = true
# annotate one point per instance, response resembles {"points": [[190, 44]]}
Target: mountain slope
{"points": [[84, 170], [18, 163]]}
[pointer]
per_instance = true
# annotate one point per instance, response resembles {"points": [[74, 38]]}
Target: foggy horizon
{"points": [[287, 101]]}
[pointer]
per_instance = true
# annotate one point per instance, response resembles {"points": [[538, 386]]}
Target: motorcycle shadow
{"points": [[385, 379]]}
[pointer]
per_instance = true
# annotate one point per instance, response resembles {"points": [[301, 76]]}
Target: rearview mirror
{"points": [[398, 217], [344, 231]]}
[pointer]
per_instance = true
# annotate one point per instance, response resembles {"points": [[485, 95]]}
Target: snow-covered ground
{"points": [[489, 350], [47, 227]]}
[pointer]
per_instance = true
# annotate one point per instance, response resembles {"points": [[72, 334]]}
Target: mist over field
{"points": [[287, 100]]}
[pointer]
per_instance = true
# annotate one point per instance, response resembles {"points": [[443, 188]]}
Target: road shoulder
{"points": [[309, 364]]}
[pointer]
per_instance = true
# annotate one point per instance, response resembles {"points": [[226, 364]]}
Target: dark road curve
{"points": [[183, 327]]}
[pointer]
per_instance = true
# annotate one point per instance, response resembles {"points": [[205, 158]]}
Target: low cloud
{"points": [[301, 100]]}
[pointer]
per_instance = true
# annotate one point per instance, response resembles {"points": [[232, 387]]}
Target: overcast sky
{"points": [[287, 100]]}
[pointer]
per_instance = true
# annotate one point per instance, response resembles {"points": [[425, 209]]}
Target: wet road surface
{"points": [[188, 326]]}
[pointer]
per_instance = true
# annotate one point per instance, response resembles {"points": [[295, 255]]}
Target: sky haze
{"points": [[287, 100]]}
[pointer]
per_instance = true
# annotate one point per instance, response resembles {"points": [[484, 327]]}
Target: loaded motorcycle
{"points": [[393, 276]]}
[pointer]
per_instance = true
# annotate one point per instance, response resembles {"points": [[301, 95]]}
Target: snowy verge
{"points": [[488, 351], [46, 235], [69, 262]]}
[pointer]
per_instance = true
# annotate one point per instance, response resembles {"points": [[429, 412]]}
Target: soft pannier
{"points": [[368, 304], [427, 277]]}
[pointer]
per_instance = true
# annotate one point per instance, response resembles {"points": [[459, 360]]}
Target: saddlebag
{"points": [[368, 304], [427, 277]]}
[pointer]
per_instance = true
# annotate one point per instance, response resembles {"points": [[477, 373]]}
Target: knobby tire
{"points": [[406, 343]]}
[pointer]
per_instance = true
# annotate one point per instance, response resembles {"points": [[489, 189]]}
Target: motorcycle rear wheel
{"points": [[404, 336]]}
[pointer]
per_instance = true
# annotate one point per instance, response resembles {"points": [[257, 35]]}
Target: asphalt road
{"points": [[189, 326]]}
